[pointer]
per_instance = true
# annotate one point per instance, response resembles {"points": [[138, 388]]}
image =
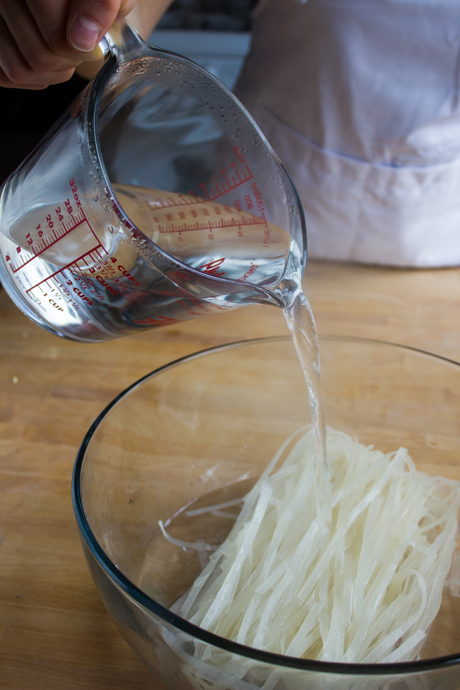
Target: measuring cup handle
{"points": [[122, 41]]}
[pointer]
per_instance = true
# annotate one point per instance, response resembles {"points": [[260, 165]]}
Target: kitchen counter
{"points": [[54, 631]]}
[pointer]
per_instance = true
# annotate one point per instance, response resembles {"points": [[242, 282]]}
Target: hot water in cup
{"points": [[155, 199]]}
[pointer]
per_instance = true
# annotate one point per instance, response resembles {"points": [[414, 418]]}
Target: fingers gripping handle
{"points": [[122, 41]]}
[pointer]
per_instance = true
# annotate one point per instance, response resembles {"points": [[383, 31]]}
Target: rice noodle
{"points": [[363, 587]]}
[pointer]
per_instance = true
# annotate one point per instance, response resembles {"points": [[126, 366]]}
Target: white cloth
{"points": [[361, 101]]}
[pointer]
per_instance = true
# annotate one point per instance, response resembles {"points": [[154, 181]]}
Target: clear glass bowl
{"points": [[204, 427]]}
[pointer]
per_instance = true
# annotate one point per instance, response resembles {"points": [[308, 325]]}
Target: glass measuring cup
{"points": [[154, 199]]}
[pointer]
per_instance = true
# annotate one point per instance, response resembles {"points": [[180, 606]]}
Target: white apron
{"points": [[361, 101]]}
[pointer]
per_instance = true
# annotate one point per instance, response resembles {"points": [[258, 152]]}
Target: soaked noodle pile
{"points": [[363, 587]]}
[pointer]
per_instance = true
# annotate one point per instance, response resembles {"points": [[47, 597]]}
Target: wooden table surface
{"points": [[54, 631]]}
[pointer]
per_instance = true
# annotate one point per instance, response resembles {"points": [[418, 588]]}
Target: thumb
{"points": [[89, 20]]}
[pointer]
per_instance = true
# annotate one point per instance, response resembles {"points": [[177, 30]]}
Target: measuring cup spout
{"points": [[286, 291]]}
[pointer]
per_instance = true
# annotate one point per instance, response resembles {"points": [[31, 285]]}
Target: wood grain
{"points": [[54, 631]]}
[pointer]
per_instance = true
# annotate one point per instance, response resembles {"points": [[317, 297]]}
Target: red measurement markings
{"points": [[233, 179], [46, 242], [230, 180], [171, 202], [56, 235], [238, 174], [72, 267], [212, 225], [95, 255]]}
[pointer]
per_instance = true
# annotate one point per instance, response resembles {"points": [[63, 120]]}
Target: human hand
{"points": [[42, 41]]}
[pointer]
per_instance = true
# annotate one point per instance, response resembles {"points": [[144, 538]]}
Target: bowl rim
{"points": [[135, 593]]}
